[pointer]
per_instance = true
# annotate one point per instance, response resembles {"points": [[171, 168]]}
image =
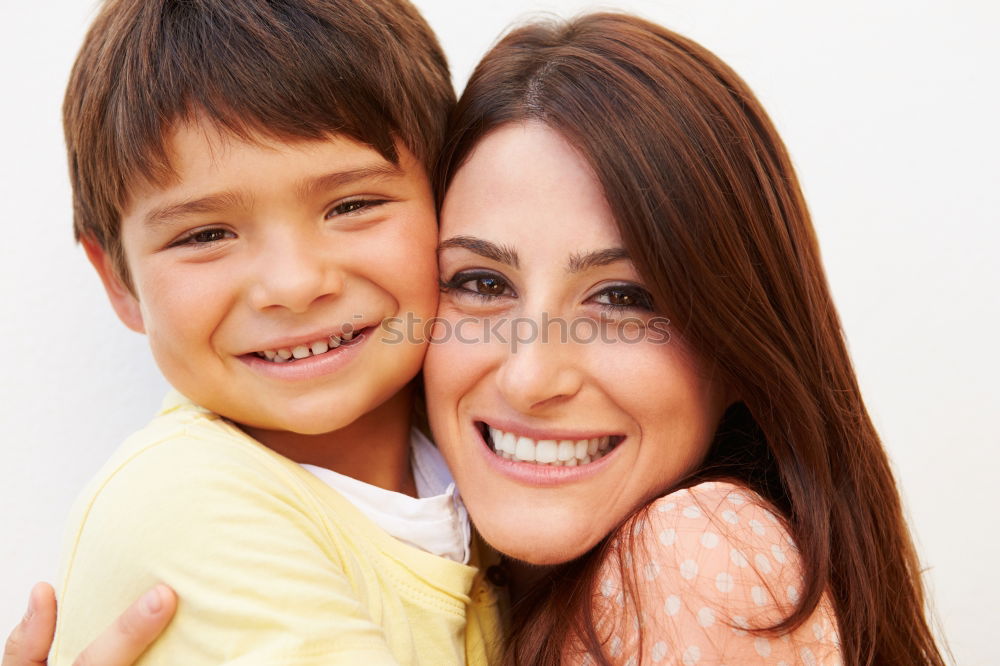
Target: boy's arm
{"points": [[121, 644], [257, 581]]}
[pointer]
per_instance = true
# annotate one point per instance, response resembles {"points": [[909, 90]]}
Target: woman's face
{"points": [[557, 396]]}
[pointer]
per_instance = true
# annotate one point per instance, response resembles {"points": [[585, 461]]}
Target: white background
{"points": [[890, 111]]}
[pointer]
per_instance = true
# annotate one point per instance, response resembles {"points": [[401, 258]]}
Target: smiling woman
{"points": [[700, 498], [574, 438]]}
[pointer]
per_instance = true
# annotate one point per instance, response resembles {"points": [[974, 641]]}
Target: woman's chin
{"points": [[539, 546]]}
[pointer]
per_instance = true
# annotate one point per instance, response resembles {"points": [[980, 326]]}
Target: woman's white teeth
{"points": [[567, 450], [319, 347], [525, 449], [545, 451], [507, 443], [564, 452]]}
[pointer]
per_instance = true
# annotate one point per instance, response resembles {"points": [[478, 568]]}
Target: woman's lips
{"points": [[548, 450], [546, 474]]}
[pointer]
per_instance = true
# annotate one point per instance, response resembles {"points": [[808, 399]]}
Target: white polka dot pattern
{"points": [[712, 564], [672, 605]]}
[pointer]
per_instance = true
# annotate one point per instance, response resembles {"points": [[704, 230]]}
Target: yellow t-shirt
{"points": [[272, 566]]}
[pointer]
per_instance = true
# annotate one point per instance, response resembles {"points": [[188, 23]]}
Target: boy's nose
{"points": [[293, 273]]}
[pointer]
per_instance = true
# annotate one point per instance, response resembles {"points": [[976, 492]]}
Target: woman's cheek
{"points": [[450, 361]]}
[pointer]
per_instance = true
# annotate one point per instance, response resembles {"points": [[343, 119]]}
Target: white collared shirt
{"points": [[435, 520]]}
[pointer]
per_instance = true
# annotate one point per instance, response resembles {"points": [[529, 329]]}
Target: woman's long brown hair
{"points": [[711, 212]]}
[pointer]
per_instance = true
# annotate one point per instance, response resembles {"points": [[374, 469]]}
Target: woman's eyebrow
{"points": [[579, 262], [503, 254]]}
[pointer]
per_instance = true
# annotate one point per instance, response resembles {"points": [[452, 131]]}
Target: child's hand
{"points": [[120, 644]]}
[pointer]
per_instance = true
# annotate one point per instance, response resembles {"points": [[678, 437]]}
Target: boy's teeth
{"points": [[305, 351], [565, 452]]}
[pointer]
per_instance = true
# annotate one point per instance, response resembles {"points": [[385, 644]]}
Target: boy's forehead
{"points": [[203, 157]]}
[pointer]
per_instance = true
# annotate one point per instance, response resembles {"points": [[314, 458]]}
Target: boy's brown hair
{"points": [[286, 69]]}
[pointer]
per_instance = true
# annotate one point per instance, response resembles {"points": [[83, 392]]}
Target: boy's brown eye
{"points": [[354, 206], [350, 207], [209, 236]]}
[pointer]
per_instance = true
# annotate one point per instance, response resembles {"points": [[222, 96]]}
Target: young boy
{"points": [[251, 183]]}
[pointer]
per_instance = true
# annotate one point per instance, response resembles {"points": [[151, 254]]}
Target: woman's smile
{"points": [[563, 407]]}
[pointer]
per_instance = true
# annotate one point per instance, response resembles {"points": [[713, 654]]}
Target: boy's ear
{"points": [[122, 299]]}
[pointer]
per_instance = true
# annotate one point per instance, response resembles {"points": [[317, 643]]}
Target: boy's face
{"points": [[267, 249]]}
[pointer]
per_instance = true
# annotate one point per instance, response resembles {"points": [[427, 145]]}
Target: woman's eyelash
{"points": [[488, 285], [625, 297]]}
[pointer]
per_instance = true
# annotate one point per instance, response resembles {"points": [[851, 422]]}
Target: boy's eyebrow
{"points": [[207, 204], [579, 262], [214, 203], [503, 254], [335, 179]]}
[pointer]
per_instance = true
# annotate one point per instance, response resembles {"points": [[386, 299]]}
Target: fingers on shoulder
{"points": [[133, 631], [29, 642]]}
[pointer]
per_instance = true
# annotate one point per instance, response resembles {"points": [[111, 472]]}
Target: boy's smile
{"points": [[263, 271]]}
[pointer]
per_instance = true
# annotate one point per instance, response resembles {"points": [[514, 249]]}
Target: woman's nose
{"points": [[540, 367]]}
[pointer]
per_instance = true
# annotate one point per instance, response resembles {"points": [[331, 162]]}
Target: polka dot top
{"points": [[710, 562]]}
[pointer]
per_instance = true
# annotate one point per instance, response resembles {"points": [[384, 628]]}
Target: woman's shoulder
{"points": [[720, 537], [708, 564], [712, 500], [716, 512]]}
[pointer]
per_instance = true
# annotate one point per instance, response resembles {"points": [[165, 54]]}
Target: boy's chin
{"points": [[305, 427]]}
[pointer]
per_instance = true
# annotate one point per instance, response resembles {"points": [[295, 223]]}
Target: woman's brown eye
{"points": [[490, 286], [622, 298]]}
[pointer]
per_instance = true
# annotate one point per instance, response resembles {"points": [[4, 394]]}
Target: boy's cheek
{"points": [[412, 269]]}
